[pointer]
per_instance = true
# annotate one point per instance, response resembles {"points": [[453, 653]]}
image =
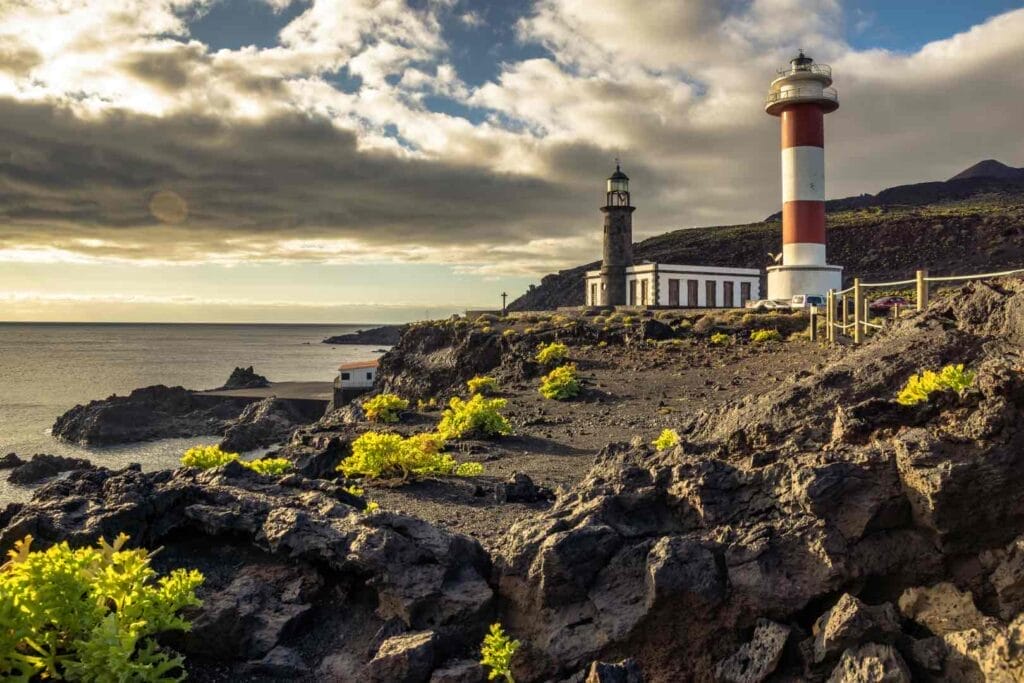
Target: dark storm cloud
{"points": [[287, 177]]}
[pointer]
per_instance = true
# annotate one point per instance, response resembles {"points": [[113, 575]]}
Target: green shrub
{"points": [[508, 333], [920, 386], [391, 456], [479, 416], [90, 614], [720, 339], [669, 438], [205, 457], [482, 384], [496, 654], [384, 408], [764, 336], [424, 406], [271, 467], [552, 354], [561, 383]]}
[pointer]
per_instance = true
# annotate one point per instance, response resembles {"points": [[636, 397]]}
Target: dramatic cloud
{"points": [[355, 139]]}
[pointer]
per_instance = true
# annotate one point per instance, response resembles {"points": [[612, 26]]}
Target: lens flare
{"points": [[168, 207]]}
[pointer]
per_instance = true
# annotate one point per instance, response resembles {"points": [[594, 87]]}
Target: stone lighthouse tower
{"points": [[618, 239], [800, 96]]}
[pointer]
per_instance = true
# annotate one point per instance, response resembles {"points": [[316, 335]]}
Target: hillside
{"points": [[969, 223]]}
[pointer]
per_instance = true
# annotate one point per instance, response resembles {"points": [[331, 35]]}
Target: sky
{"points": [[388, 160]]}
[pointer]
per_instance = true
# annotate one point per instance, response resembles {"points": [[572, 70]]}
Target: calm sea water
{"points": [[45, 369]]}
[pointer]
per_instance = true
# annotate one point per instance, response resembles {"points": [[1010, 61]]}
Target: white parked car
{"points": [[767, 304], [806, 301]]}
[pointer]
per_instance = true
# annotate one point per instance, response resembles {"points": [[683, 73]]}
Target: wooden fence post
{"points": [[922, 290], [812, 331], [858, 311], [830, 316], [846, 314]]}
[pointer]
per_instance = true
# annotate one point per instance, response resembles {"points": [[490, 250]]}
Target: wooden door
{"points": [[728, 294], [744, 293], [593, 295], [632, 292], [644, 288], [691, 293], [710, 293], [673, 292]]}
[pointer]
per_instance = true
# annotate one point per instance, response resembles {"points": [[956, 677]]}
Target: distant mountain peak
{"points": [[990, 168]]}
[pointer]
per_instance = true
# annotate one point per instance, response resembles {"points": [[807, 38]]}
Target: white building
{"points": [[662, 284], [354, 379], [357, 375]]}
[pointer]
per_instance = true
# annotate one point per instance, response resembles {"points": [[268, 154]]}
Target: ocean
{"points": [[45, 369]]}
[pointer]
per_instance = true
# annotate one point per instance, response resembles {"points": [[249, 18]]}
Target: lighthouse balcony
{"points": [[815, 69], [778, 100]]}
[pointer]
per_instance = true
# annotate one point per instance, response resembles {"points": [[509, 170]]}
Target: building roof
{"points": [[358, 365]]}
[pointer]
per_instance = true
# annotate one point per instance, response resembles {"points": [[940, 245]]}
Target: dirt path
{"points": [[630, 392]]}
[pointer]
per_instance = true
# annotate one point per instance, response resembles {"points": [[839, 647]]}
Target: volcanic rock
{"points": [[757, 658], [245, 378], [871, 663], [386, 335], [626, 671], [852, 622], [277, 553], [673, 556], [520, 489], [43, 466], [10, 460], [261, 424], [156, 412]]}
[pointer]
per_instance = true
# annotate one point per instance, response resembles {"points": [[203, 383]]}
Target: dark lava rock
{"points": [[289, 563], [755, 660], [871, 663], [626, 671], [850, 623], [245, 378], [10, 460], [261, 424], [156, 412], [386, 335], [43, 466], [521, 489], [673, 556]]}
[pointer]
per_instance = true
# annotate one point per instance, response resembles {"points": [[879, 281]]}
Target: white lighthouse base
{"points": [[785, 281]]}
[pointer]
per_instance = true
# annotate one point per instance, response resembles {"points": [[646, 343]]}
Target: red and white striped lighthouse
{"points": [[800, 95]]}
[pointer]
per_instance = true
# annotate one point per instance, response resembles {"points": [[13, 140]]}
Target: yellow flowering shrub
{"points": [[384, 408], [378, 455], [919, 386], [561, 383], [479, 416], [90, 614], [669, 438], [552, 354]]}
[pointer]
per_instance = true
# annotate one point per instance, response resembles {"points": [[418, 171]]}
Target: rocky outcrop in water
{"points": [[43, 466], [267, 422], [156, 412], [385, 335], [774, 510], [245, 378], [301, 584]]}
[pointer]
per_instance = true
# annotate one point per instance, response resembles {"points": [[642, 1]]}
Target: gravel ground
{"points": [[629, 392]]}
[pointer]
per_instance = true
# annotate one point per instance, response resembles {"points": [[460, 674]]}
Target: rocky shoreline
{"points": [[161, 412], [807, 527], [385, 335]]}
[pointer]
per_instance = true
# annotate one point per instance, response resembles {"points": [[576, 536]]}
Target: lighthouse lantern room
{"points": [[800, 96]]}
